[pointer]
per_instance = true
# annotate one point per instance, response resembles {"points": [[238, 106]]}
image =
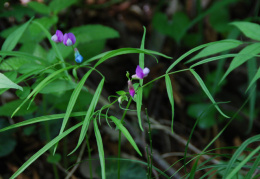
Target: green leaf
{"points": [[101, 153], [203, 112], [249, 29], [170, 95], [23, 94], [41, 85], [54, 158], [139, 97], [7, 141], [89, 33], [41, 119], [89, 114], [44, 149], [253, 80], [141, 55], [120, 126], [72, 102], [137, 171], [7, 83], [242, 163], [203, 86], [14, 37], [58, 86], [58, 5], [8, 108], [244, 55], [188, 53], [39, 7], [238, 152], [172, 28], [13, 63], [223, 45]]}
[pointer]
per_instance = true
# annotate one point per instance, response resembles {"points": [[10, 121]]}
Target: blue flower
{"points": [[78, 57]]}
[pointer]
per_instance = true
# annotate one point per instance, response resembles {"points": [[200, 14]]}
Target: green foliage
{"points": [[249, 29], [7, 140], [39, 7], [7, 83], [129, 170]]}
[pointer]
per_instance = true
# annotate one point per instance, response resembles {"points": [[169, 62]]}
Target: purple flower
{"points": [[131, 88], [69, 39], [140, 73], [58, 36]]}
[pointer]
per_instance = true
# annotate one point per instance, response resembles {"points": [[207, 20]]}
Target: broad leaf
{"points": [[39, 7], [7, 83]]}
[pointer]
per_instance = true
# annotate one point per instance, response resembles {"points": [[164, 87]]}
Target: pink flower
{"points": [[140, 73], [58, 36], [131, 88], [69, 39]]}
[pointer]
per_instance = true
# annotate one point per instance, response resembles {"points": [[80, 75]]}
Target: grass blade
{"points": [[44, 149], [41, 85], [100, 149], [89, 114], [73, 98], [205, 89], [126, 133], [170, 95]]}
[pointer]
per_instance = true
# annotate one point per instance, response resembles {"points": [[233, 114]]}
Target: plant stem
{"points": [[119, 140], [89, 157]]}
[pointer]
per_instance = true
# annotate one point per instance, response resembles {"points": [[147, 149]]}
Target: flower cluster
{"points": [[67, 39]]}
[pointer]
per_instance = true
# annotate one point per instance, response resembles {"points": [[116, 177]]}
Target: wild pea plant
{"points": [[57, 69]]}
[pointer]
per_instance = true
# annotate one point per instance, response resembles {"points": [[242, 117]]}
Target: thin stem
{"points": [[164, 76], [151, 145], [119, 140], [89, 157]]}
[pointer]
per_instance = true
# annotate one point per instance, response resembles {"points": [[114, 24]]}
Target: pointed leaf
{"points": [[89, 114], [101, 153], [249, 29], [44, 149], [139, 97], [13, 38], [73, 98], [170, 95], [216, 48], [7, 83], [205, 89], [244, 55], [120, 126]]}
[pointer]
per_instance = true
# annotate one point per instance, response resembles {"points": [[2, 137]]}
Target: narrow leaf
{"points": [[141, 55], [253, 80], [89, 114], [44, 149], [249, 29], [203, 86], [120, 126], [238, 152], [100, 149], [13, 38], [43, 83], [188, 53], [216, 48], [73, 98], [244, 55], [139, 97], [170, 95], [7, 83]]}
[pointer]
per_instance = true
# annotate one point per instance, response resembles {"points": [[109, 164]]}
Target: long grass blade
{"points": [[170, 95], [126, 133], [89, 114], [100, 149]]}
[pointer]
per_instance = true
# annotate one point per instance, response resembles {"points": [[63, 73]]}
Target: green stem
{"points": [[164, 76], [151, 145], [119, 140], [89, 157]]}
